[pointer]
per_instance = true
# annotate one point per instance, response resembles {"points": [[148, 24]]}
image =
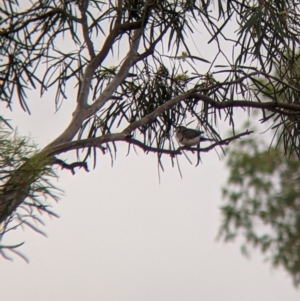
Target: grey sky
{"points": [[123, 236]]}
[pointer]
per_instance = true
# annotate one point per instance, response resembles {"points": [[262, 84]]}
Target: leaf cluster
{"points": [[15, 152], [262, 196]]}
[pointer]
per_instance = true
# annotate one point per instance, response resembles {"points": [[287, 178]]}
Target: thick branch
{"points": [[98, 60], [120, 76], [83, 111]]}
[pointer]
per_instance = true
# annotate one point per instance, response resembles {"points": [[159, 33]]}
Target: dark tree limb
{"points": [[96, 142], [71, 166]]}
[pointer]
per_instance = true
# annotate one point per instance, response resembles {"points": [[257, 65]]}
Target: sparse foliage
{"points": [[262, 197], [18, 156], [138, 71]]}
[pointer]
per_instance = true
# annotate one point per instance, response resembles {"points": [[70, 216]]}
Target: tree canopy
{"points": [[262, 202], [140, 68]]}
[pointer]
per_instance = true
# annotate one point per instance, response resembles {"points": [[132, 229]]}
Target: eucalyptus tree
{"points": [[175, 62], [262, 195], [262, 202]]}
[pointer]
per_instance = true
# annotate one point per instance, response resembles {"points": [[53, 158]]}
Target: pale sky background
{"points": [[122, 235]]}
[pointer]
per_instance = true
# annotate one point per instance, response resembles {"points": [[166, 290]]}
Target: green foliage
{"points": [[263, 191], [262, 198], [19, 155]]}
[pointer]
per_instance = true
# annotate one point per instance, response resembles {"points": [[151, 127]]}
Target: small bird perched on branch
{"points": [[189, 137]]}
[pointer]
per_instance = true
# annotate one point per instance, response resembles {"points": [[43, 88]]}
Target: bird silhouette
{"points": [[189, 137]]}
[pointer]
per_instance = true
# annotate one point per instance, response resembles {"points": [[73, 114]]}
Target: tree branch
{"points": [[83, 110], [255, 73], [269, 105], [85, 29], [71, 166], [98, 60], [131, 58], [51, 13], [98, 141]]}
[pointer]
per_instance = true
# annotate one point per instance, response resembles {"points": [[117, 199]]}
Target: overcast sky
{"points": [[122, 235]]}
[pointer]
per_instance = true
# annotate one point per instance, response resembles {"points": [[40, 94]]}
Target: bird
{"points": [[189, 137]]}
